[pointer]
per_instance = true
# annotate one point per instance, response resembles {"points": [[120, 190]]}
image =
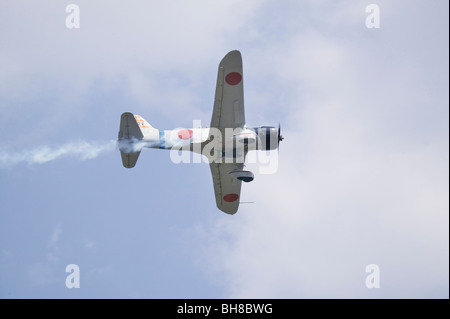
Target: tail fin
{"points": [[143, 124], [129, 134], [129, 127]]}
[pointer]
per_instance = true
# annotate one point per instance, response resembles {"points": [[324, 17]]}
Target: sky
{"points": [[362, 175]]}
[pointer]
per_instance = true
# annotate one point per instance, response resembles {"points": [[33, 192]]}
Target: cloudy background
{"points": [[363, 174]]}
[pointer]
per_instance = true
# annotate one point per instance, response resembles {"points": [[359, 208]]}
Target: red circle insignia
{"points": [[233, 78], [185, 134], [230, 197]]}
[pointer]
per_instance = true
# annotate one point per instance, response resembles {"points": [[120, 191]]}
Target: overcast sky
{"points": [[363, 172]]}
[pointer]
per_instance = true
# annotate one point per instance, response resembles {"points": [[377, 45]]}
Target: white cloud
{"points": [[55, 236], [154, 53], [359, 182], [44, 271], [89, 243], [363, 175]]}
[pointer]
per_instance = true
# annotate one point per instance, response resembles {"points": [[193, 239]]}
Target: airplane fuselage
{"points": [[208, 141]]}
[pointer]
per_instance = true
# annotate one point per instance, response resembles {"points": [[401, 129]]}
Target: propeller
{"points": [[280, 137]]}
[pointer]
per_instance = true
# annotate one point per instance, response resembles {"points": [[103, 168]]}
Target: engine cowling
{"points": [[245, 176], [267, 138]]}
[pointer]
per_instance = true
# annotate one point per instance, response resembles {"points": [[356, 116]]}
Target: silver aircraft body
{"points": [[225, 143]]}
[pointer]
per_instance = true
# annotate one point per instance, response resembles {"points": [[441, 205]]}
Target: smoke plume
{"points": [[82, 150]]}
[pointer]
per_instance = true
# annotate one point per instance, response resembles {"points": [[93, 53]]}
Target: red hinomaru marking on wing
{"points": [[230, 197], [233, 78], [185, 134]]}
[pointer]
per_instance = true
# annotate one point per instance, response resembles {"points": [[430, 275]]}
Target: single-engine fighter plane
{"points": [[225, 143]]}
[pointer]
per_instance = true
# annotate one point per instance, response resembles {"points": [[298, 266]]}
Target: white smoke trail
{"points": [[81, 149]]}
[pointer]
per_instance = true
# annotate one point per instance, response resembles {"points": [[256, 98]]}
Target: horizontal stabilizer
{"points": [[129, 131], [129, 159]]}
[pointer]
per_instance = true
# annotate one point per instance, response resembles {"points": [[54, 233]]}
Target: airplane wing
{"points": [[229, 98], [228, 113], [226, 187]]}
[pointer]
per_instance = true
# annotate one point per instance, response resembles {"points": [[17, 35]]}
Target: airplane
{"points": [[224, 143]]}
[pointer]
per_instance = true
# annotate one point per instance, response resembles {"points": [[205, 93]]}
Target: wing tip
{"points": [[232, 56], [228, 209]]}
